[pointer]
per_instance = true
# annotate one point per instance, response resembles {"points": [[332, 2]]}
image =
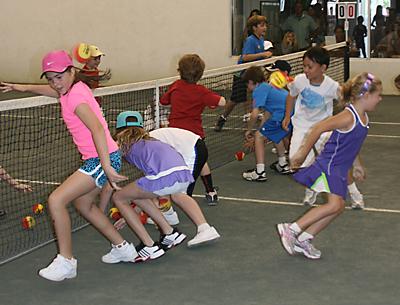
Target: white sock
{"points": [[295, 228], [202, 227], [260, 168], [282, 161], [353, 188], [305, 236], [121, 244]]}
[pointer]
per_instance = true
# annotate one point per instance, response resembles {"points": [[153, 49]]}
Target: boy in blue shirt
{"points": [[271, 98], [253, 50]]}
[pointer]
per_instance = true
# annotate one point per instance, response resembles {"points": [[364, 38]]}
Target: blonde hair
{"points": [[127, 136], [285, 40], [358, 86]]}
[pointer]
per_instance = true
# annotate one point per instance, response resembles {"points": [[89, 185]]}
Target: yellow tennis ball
{"points": [[114, 214], [38, 208], [164, 203], [278, 79], [28, 222]]}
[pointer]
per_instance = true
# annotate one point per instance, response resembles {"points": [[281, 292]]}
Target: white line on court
{"points": [[288, 203]]}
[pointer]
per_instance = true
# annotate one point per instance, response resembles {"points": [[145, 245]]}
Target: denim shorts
{"points": [[92, 167]]}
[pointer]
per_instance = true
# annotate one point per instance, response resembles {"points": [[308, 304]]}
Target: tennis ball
{"points": [[81, 52], [164, 204], [278, 79], [239, 155], [143, 217], [114, 214], [38, 208], [28, 222]]}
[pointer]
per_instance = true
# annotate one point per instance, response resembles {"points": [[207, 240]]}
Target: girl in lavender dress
{"points": [[329, 171], [165, 173]]}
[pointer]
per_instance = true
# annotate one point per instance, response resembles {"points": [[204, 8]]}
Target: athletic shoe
{"points": [[148, 253], [287, 236], [281, 169], [203, 237], [307, 249], [60, 269], [357, 200], [168, 241], [212, 197], [220, 123], [252, 175], [170, 216], [273, 150], [246, 117], [309, 197], [124, 253]]}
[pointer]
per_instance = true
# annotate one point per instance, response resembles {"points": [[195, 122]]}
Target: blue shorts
{"points": [[273, 131], [92, 167]]}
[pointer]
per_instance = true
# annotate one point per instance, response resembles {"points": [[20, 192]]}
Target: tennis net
{"points": [[37, 149]]}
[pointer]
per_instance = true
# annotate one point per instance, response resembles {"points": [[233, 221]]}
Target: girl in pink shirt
{"points": [[102, 163]]}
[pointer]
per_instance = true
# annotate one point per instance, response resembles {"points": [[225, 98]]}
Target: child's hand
{"points": [[285, 123], [25, 188], [120, 223], [267, 54], [7, 87], [114, 177], [296, 161], [359, 173]]}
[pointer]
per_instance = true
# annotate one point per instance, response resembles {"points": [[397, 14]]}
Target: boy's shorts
{"points": [[239, 90], [273, 131], [92, 167]]}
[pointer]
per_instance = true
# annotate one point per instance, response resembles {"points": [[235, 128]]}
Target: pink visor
{"points": [[56, 61]]}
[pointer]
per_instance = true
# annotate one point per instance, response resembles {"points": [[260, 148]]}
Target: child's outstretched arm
{"points": [[45, 90], [359, 173], [288, 111], [90, 120], [14, 183], [343, 121]]}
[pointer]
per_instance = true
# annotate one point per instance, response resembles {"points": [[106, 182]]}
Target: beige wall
{"points": [[142, 39], [385, 68]]}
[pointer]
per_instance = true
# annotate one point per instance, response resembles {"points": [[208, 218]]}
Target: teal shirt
{"points": [[302, 27]]}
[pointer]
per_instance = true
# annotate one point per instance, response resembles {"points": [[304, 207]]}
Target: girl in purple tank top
{"points": [[329, 171], [165, 173]]}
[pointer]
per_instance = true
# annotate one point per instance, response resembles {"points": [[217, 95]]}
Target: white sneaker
{"points": [[124, 253], [202, 237], [357, 200], [310, 197], [170, 216], [60, 269]]}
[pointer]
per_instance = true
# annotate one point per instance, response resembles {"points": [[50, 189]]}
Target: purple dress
{"points": [[329, 171], [161, 164]]}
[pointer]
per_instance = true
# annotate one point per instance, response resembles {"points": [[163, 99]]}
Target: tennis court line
{"points": [[288, 203]]}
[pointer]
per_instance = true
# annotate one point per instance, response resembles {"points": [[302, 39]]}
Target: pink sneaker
{"points": [[288, 237]]}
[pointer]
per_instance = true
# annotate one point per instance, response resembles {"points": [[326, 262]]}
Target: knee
{"points": [[54, 202], [116, 199], [337, 207]]}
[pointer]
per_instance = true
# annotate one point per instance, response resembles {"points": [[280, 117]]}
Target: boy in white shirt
{"points": [[313, 94]]}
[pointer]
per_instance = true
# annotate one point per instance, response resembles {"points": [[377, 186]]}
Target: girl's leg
{"points": [[211, 192], [190, 207], [205, 233], [105, 196], [122, 200], [316, 219], [91, 212], [78, 184]]}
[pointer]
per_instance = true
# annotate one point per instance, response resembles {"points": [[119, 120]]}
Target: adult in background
{"points": [[302, 25]]}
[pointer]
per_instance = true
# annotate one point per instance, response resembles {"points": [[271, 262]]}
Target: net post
{"points": [[346, 62], [157, 106]]}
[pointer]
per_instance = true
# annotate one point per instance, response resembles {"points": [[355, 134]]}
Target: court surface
{"points": [[247, 266]]}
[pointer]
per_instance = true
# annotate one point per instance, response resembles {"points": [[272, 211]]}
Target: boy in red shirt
{"points": [[188, 100]]}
